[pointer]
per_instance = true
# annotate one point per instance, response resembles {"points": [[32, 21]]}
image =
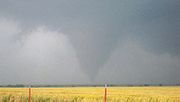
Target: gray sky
{"points": [[89, 41]]}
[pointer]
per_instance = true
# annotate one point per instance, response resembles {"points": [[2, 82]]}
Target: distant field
{"points": [[92, 94]]}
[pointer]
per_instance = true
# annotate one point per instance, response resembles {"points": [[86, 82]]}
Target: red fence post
{"points": [[29, 98], [105, 93]]}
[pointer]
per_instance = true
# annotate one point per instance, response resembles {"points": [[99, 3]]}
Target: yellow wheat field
{"points": [[92, 94]]}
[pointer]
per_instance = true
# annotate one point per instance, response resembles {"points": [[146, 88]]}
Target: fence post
{"points": [[105, 93], [29, 98]]}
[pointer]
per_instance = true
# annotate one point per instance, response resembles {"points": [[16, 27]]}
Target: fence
{"points": [[105, 94], [63, 94]]}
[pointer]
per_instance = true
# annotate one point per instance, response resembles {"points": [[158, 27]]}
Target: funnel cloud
{"points": [[89, 42]]}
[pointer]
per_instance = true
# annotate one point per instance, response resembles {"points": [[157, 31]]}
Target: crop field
{"points": [[92, 94]]}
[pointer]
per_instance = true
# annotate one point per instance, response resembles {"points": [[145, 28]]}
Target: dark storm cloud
{"points": [[95, 30]]}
